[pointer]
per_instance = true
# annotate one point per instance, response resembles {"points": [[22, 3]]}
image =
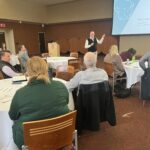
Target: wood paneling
{"points": [[27, 34], [74, 35], [70, 36], [64, 43]]}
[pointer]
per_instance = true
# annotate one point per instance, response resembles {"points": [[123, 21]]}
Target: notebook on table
{"points": [[19, 78]]}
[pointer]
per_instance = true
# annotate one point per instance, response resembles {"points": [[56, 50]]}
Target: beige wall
{"points": [[141, 43], [68, 12], [79, 10], [95, 9], [22, 10], [9, 38]]}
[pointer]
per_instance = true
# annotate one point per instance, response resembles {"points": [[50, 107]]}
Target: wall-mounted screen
{"points": [[131, 17]]}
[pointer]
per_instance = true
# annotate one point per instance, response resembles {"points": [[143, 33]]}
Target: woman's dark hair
{"points": [[132, 51]]}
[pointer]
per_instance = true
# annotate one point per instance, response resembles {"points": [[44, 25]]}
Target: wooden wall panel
{"points": [[81, 45], [109, 40], [70, 36], [76, 33], [27, 34], [64, 43]]}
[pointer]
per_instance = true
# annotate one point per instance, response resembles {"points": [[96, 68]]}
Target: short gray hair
{"points": [[90, 59]]}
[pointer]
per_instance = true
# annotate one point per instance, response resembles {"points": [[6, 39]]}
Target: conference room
{"points": [[64, 92]]}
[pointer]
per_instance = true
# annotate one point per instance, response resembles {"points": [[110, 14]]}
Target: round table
{"points": [[7, 91]]}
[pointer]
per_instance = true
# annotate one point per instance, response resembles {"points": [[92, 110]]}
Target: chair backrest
{"points": [[111, 73], [70, 69], [65, 72], [50, 134], [94, 105], [1, 76], [74, 54], [75, 63], [108, 67]]}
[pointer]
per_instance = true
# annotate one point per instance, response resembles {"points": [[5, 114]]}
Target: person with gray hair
{"points": [[23, 56], [90, 76], [6, 68]]}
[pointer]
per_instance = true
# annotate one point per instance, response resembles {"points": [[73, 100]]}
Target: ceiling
{"points": [[51, 2]]}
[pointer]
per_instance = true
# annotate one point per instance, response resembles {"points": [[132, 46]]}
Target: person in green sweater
{"points": [[41, 98]]}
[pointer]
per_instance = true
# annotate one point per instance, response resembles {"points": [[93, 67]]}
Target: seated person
{"points": [[114, 58], [145, 79], [14, 61], [143, 60], [41, 98], [129, 54], [6, 68], [23, 56], [91, 75]]}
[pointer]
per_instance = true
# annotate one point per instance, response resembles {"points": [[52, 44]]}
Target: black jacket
{"points": [[145, 85], [94, 105]]}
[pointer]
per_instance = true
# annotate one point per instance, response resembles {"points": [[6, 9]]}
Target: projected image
{"points": [[131, 17]]}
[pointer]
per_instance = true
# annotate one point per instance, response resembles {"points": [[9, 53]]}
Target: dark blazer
{"points": [[94, 105], [37, 101], [145, 85]]}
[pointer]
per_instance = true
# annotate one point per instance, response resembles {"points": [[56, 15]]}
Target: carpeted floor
{"points": [[131, 132], [132, 129]]}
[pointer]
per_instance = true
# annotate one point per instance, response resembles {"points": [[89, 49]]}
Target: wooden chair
{"points": [[75, 63], [74, 54], [70, 69], [1, 76], [94, 104], [110, 71], [50, 134], [65, 72]]}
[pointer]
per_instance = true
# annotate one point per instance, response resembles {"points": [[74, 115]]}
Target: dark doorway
{"points": [[2, 38], [42, 42]]}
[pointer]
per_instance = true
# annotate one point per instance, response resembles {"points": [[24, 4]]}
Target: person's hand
{"points": [[103, 36], [92, 44]]}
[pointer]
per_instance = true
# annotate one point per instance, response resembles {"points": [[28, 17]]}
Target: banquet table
{"points": [[57, 61], [7, 91], [133, 71]]}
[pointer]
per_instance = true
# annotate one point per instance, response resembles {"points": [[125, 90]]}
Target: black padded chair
{"points": [[94, 105]]}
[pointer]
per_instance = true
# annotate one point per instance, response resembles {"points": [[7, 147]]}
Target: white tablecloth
{"points": [[134, 73], [7, 91], [57, 61]]}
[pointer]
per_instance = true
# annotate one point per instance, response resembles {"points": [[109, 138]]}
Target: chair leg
{"points": [[144, 101], [113, 90], [75, 140], [24, 147]]}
